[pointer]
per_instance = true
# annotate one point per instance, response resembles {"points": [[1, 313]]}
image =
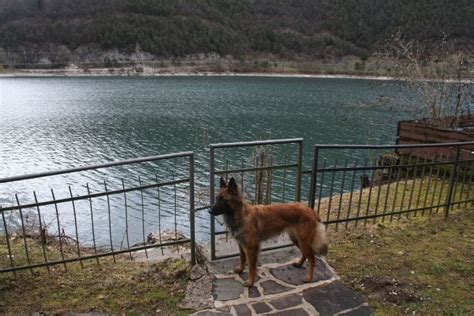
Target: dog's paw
{"points": [[308, 279], [296, 264], [248, 283], [238, 270]]}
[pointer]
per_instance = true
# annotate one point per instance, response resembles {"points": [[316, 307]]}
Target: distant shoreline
{"points": [[106, 73]]}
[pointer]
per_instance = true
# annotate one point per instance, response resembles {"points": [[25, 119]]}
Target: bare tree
{"points": [[440, 77]]}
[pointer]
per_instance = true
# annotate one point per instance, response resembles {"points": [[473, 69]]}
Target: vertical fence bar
{"points": [[191, 209], [7, 237], [395, 195], [370, 191], [42, 233], [299, 170], [413, 184], [341, 193], [78, 249], [331, 191], [59, 229], [110, 222], [359, 203], [92, 222], [211, 200], [451, 182], [442, 187], [321, 186], [314, 174], [159, 214], [430, 173], [420, 188], [407, 171], [143, 215], [352, 192], [126, 220], [24, 232], [387, 192], [436, 180]]}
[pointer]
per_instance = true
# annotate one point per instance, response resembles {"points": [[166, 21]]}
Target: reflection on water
{"points": [[57, 123]]}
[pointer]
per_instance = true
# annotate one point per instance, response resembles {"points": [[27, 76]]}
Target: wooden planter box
{"points": [[419, 132]]}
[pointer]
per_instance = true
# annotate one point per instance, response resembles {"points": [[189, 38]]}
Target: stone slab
{"points": [[287, 301], [242, 310], [332, 298], [261, 307], [226, 289], [293, 275], [271, 287]]}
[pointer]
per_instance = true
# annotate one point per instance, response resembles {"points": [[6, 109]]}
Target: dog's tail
{"points": [[320, 245]]}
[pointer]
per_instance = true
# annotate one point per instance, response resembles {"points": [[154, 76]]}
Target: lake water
{"points": [[56, 123]]}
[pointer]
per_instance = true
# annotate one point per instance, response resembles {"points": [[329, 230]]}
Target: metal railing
{"points": [[259, 166], [78, 215], [385, 182], [415, 179]]}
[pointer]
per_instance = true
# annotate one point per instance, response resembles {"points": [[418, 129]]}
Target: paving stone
{"points": [[290, 312], [226, 289], [361, 311], [242, 310], [271, 287], [332, 298], [286, 301], [295, 276], [261, 307], [254, 292]]}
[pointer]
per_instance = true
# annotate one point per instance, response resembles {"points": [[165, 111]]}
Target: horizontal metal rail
{"points": [[350, 146], [93, 195], [274, 167], [257, 143], [98, 166]]}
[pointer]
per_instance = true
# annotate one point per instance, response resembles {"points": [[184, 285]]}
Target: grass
{"points": [[424, 265], [109, 287]]}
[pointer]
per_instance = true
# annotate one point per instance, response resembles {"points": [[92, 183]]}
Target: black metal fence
{"points": [[390, 182], [120, 216], [116, 217]]}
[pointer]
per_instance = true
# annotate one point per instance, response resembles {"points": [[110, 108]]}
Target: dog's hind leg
{"points": [[305, 240], [243, 259], [294, 239]]}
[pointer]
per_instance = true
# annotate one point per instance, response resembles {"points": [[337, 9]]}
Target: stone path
{"points": [[279, 289]]}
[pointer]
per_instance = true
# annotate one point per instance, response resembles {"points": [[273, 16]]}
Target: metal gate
{"points": [[265, 166]]}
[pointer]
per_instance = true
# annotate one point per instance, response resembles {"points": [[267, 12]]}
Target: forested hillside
{"points": [[29, 29]]}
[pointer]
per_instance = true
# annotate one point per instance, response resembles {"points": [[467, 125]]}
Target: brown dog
{"points": [[252, 224]]}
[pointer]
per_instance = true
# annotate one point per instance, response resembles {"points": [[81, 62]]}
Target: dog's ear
{"points": [[233, 185], [222, 183]]}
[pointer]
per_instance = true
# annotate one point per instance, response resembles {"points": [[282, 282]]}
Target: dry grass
{"points": [[424, 265]]}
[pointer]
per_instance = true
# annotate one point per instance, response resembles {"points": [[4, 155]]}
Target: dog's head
{"points": [[228, 197]]}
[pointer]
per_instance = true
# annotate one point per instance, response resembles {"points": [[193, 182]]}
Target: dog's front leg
{"points": [[252, 257], [243, 259]]}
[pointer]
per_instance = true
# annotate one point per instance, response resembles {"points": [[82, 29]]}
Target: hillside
{"points": [[60, 32]]}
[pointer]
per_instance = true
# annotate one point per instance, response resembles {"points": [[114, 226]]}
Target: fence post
{"points": [[298, 170], [211, 201], [312, 188], [452, 180], [191, 209]]}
